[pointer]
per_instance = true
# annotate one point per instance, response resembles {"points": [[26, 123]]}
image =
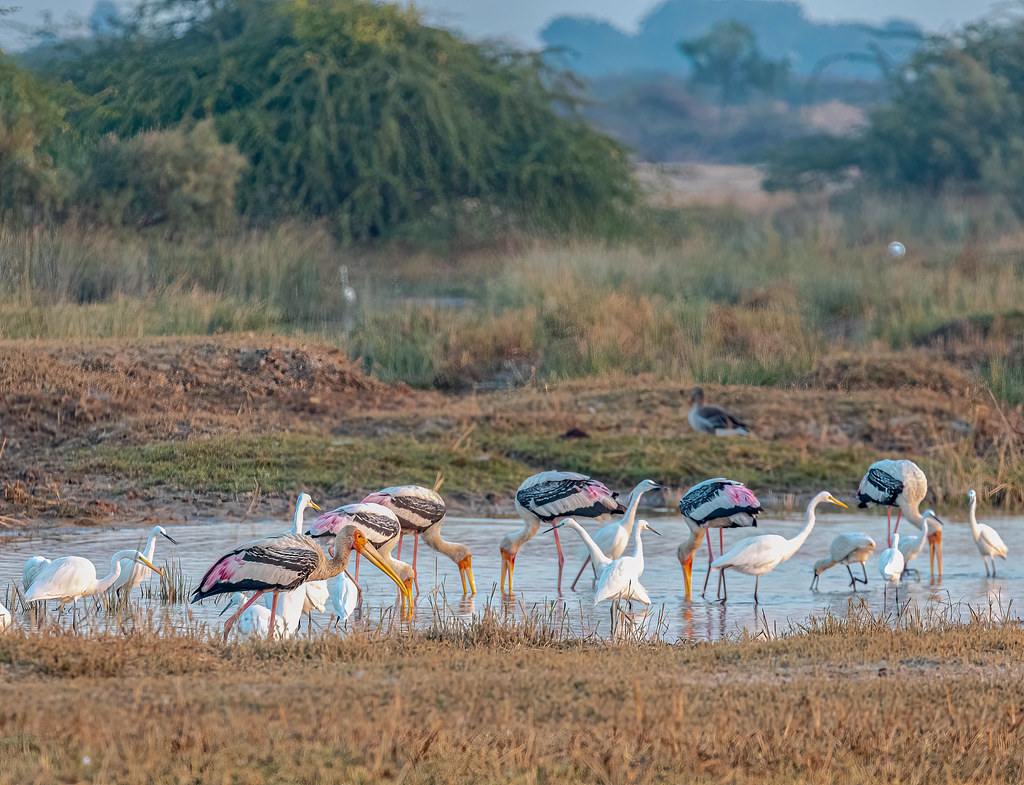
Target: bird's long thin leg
{"points": [[561, 560], [721, 550], [273, 616], [228, 624], [401, 536], [863, 569], [711, 558], [756, 579], [585, 563], [888, 525], [896, 528], [415, 551], [853, 581], [993, 560]]}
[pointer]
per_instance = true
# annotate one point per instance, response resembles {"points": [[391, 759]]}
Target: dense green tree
{"points": [[729, 59], [356, 112]]}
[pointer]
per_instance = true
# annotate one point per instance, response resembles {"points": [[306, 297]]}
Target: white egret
{"points": [[890, 567], [31, 568], [546, 498], [5, 618], [759, 555], [344, 594], [599, 558], [613, 537], [847, 548], [989, 543], [133, 573], [620, 580]]}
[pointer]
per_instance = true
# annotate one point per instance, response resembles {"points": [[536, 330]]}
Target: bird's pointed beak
{"points": [[508, 563], [651, 528], [834, 500], [466, 572], [372, 556], [316, 506], [169, 537], [935, 550], [556, 526], [688, 576], [143, 560]]}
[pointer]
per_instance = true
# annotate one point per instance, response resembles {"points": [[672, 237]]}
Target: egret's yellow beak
{"points": [[834, 500], [143, 560], [316, 506]]}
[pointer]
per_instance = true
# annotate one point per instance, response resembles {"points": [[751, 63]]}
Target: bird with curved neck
{"points": [[759, 555], [613, 537], [847, 548], [301, 504], [685, 553], [285, 562], [132, 573], [890, 567], [989, 543], [457, 553], [899, 484], [912, 545], [70, 578], [620, 580], [599, 558]]}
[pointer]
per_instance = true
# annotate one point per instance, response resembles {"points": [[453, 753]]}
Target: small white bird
{"points": [[132, 573], [344, 594], [846, 549], [890, 567], [600, 560], [759, 555], [911, 545], [989, 543], [255, 620], [620, 580]]}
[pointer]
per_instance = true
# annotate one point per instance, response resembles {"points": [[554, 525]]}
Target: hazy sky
{"points": [[519, 20]]}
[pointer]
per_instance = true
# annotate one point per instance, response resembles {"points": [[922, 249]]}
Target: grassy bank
{"points": [[712, 295], [840, 701]]}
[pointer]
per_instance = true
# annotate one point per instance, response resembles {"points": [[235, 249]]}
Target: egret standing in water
{"points": [[911, 545], [5, 618], [989, 543], [599, 558], [847, 548], [133, 573], [620, 580], [759, 555], [890, 567]]}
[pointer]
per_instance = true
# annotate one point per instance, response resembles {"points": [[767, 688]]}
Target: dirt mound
{"points": [[888, 372]]}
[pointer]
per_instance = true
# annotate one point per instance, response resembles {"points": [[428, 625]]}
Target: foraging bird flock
{"points": [[298, 572]]}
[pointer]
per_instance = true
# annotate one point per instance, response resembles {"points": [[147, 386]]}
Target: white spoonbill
{"points": [[546, 498], [70, 578], [133, 573], [911, 545], [613, 537], [282, 563], [620, 580], [989, 543], [712, 419], [890, 567], [685, 553], [599, 558], [847, 548], [720, 504], [899, 484], [759, 555]]}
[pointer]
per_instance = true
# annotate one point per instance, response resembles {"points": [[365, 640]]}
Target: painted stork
{"points": [[899, 484], [132, 573], [912, 545], [381, 528], [719, 504], [989, 543], [421, 511], [890, 567], [70, 578], [685, 553], [546, 498], [282, 563], [612, 538], [599, 558], [847, 548], [760, 555], [712, 419]]}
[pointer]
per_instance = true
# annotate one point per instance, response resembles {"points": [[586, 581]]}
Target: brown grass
{"points": [[861, 700]]}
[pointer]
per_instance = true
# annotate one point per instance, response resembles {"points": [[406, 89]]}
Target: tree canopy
{"points": [[357, 113]]}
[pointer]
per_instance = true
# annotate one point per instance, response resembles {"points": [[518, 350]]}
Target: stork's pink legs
{"points": [[415, 550], [585, 563], [401, 537], [273, 616], [561, 560]]}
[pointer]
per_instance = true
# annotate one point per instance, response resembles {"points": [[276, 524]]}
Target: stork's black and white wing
{"points": [[378, 524], [879, 486], [417, 508], [554, 494], [274, 564], [720, 499]]}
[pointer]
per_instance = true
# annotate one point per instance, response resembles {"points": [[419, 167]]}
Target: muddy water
{"points": [[784, 594]]}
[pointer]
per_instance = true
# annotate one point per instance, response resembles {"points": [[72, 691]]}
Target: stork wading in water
{"points": [[989, 543], [890, 567], [133, 573], [712, 419], [71, 578], [847, 548], [381, 528], [421, 511], [912, 545], [282, 563], [613, 537], [899, 484], [759, 555], [720, 504], [599, 558], [547, 498]]}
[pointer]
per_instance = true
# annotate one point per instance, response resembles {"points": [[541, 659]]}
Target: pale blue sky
{"points": [[520, 20]]}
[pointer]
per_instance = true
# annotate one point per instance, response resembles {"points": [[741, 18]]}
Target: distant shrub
{"points": [[179, 178]]}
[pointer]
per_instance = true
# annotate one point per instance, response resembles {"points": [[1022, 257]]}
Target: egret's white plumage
{"points": [[255, 620], [545, 498], [613, 537], [847, 548], [759, 555], [71, 577], [989, 543], [620, 580], [317, 596], [911, 545], [890, 566], [133, 573], [31, 568], [344, 594], [601, 560]]}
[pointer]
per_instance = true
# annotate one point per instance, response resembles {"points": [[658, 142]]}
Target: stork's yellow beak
{"points": [[688, 575], [378, 561], [466, 571]]}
